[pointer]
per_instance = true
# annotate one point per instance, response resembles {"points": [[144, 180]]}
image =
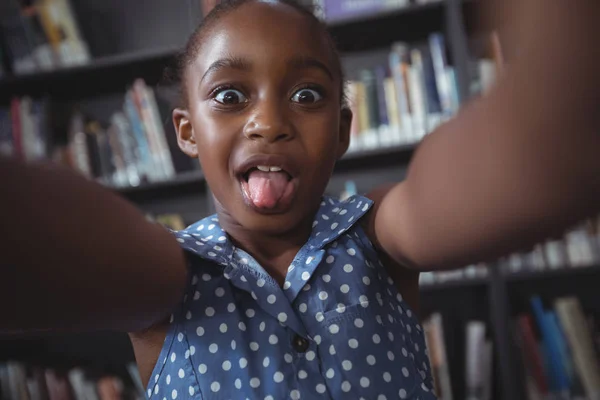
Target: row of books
{"points": [[336, 10], [579, 247], [478, 359], [131, 150], [413, 93], [40, 35], [339, 10], [19, 381], [559, 350]]}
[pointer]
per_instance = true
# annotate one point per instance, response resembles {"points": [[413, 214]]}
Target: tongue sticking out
{"points": [[266, 188]]}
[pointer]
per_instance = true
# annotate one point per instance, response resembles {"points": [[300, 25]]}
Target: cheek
{"points": [[215, 138], [322, 138]]}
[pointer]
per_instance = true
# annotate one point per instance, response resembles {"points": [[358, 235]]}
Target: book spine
{"points": [[437, 47], [355, 124], [391, 102], [363, 113], [144, 156], [558, 380], [532, 354], [418, 99], [475, 340], [74, 46], [165, 153], [399, 68], [586, 362], [432, 97], [443, 371], [16, 38], [372, 106], [151, 135], [127, 144]]}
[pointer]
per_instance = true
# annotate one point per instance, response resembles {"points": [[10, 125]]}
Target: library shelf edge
{"points": [[592, 271], [462, 284], [114, 73], [194, 180], [100, 76]]}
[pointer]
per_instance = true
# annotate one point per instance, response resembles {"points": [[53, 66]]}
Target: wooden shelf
{"points": [[398, 154], [114, 73], [523, 277], [101, 75], [407, 24], [195, 179], [466, 283], [554, 274], [185, 183], [181, 179]]}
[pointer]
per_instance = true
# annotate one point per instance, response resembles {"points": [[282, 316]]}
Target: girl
{"points": [[285, 293]]}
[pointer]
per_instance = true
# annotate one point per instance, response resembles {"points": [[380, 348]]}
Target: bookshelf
{"points": [[101, 76], [493, 299]]}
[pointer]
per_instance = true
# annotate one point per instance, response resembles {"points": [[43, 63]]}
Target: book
{"points": [[62, 30], [434, 332], [337, 10], [17, 38], [400, 102], [475, 370], [578, 336], [41, 35]]}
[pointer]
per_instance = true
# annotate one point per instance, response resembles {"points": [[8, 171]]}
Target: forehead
{"points": [[264, 31]]}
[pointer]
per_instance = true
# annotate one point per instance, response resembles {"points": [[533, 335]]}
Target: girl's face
{"points": [[264, 116]]}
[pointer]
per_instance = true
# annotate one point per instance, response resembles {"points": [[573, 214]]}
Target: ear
{"points": [[344, 133], [185, 132]]}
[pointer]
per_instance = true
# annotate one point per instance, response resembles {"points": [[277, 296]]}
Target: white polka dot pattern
{"points": [[338, 328]]}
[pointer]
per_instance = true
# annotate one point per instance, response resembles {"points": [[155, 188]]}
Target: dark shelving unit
{"points": [[192, 181], [101, 76], [399, 154], [410, 23], [460, 284], [493, 299]]}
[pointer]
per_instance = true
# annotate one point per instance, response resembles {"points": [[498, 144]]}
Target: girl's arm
{"points": [[516, 166], [76, 256]]}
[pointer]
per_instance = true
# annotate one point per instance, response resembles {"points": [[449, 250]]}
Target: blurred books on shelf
{"points": [[339, 10], [19, 381], [558, 350], [578, 248], [40, 35], [478, 358], [132, 149], [408, 97]]}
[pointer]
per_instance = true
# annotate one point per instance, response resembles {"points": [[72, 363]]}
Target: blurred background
{"points": [[82, 82]]}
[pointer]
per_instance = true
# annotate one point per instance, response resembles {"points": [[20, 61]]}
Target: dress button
{"points": [[300, 344]]}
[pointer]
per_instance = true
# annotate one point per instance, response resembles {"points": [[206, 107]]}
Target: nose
{"points": [[269, 122]]}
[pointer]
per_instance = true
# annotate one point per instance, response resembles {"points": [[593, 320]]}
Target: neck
{"points": [[273, 251]]}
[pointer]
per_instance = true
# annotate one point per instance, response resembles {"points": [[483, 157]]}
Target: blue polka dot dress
{"points": [[337, 329]]}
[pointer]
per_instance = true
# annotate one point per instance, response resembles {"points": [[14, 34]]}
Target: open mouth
{"points": [[267, 187]]}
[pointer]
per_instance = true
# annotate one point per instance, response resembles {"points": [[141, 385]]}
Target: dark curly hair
{"points": [[224, 7]]}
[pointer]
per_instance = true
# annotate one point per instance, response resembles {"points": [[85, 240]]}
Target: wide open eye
{"points": [[230, 97], [306, 96]]}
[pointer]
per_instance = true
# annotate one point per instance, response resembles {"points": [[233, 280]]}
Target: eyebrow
{"points": [[307, 62], [241, 64], [228, 62]]}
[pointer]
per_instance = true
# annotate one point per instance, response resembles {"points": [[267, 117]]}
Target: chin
{"points": [[271, 222]]}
